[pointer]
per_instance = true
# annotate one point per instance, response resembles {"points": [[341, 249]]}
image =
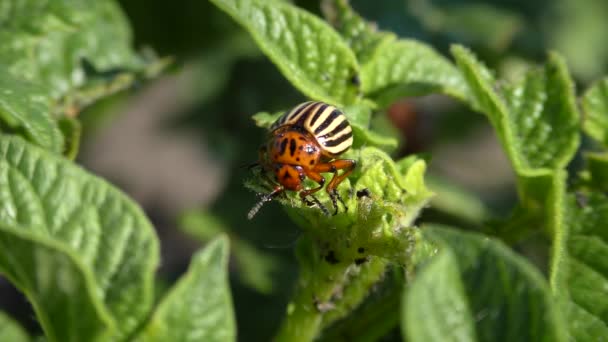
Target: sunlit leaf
{"points": [[477, 289], [309, 53], [199, 307], [58, 217], [582, 275]]}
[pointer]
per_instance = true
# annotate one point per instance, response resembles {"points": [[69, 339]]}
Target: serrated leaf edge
{"points": [[301, 83]]}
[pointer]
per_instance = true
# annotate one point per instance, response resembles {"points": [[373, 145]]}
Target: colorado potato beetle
{"points": [[303, 143]]}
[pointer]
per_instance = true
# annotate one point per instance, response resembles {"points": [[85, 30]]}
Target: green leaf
{"points": [[49, 55], [537, 123], [457, 202], [483, 25], [393, 68], [66, 216], [11, 330], [47, 42], [365, 137], [101, 84], [362, 37], [476, 288], [409, 68], [359, 116], [265, 119], [595, 175], [309, 53], [60, 288], [595, 107], [536, 120], [582, 277], [26, 109], [435, 307], [544, 116], [199, 307]]}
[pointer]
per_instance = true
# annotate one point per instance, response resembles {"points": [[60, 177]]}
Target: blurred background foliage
{"points": [[179, 144]]}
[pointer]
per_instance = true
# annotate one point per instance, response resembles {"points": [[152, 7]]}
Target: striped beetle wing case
{"points": [[326, 123]]}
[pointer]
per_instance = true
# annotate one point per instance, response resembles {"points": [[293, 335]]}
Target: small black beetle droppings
{"points": [[331, 258], [360, 261], [363, 193]]}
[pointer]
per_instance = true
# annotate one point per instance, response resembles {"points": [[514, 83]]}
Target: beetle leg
{"points": [[348, 165], [315, 201], [266, 198], [317, 177], [334, 194]]}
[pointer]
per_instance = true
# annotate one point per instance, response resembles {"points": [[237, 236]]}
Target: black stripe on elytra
{"points": [[317, 114], [283, 146], [301, 119], [342, 126], [303, 116], [330, 118], [292, 147], [280, 121], [340, 139]]}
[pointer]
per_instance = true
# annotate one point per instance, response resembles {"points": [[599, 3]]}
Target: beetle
{"points": [[304, 143]]}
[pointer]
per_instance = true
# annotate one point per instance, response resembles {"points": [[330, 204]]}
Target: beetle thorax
{"points": [[293, 146]]}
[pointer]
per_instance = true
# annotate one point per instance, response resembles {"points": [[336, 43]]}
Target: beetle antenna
{"points": [[264, 199], [257, 207]]}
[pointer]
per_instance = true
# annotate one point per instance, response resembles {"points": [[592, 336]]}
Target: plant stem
{"points": [[374, 318], [320, 281], [313, 295]]}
